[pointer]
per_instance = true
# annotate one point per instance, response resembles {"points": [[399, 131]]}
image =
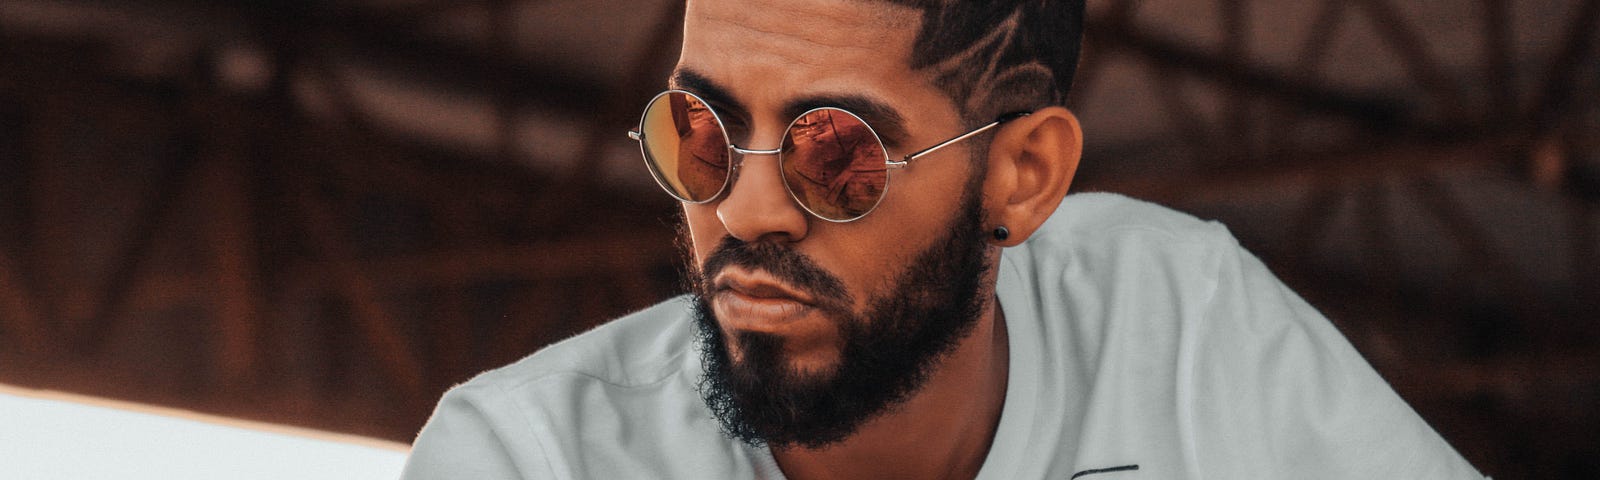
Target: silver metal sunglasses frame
{"points": [[637, 134]]}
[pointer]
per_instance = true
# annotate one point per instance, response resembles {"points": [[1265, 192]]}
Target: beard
{"points": [[886, 353]]}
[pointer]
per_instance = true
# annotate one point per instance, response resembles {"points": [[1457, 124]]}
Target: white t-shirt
{"points": [[1144, 344]]}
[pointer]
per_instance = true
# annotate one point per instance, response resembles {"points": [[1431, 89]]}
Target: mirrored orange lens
{"points": [[685, 146], [834, 164]]}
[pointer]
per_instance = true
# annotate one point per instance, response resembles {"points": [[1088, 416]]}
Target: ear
{"points": [[1031, 164]]}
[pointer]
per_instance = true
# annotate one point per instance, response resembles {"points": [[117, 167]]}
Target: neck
{"points": [[944, 431]]}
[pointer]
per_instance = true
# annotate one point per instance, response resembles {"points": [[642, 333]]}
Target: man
{"points": [[889, 284]]}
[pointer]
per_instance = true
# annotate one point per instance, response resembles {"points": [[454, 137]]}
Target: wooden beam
{"points": [[452, 332], [1561, 77], [1505, 377], [1497, 67], [18, 315], [502, 44], [1383, 259], [1412, 47], [453, 323], [1475, 246], [50, 256], [1372, 113], [21, 316], [397, 44], [1301, 171], [1186, 122], [380, 328], [621, 106], [1584, 231], [154, 212], [1237, 114], [230, 239], [1308, 64], [1308, 224], [544, 261], [1319, 39], [532, 320]]}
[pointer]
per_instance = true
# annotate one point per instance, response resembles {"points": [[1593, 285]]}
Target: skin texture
{"points": [[769, 55]]}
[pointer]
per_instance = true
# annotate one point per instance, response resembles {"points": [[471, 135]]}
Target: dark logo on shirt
{"points": [[1096, 471]]}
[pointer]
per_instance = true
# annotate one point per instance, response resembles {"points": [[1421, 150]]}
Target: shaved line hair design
{"points": [[997, 57]]}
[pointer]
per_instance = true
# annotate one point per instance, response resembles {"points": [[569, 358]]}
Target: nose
{"points": [[757, 206]]}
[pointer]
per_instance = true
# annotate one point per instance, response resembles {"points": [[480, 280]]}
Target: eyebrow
{"points": [[884, 119], [713, 92]]}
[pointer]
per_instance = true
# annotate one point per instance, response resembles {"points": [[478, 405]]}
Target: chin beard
{"points": [[887, 353]]}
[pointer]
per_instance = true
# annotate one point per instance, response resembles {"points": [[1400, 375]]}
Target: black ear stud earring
{"points": [[1001, 233]]}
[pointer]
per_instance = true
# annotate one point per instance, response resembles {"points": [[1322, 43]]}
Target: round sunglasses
{"points": [[834, 165]]}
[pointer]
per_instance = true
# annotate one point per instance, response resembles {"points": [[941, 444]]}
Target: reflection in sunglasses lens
{"points": [[834, 164], [685, 147]]}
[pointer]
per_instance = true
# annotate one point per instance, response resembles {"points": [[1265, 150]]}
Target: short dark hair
{"points": [[997, 57]]}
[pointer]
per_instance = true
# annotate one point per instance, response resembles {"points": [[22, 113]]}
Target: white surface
{"points": [[53, 437]]}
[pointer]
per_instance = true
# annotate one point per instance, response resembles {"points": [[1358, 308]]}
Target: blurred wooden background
{"points": [[324, 213]]}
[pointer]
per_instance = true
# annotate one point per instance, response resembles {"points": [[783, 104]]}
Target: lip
{"points": [[756, 300], [759, 285]]}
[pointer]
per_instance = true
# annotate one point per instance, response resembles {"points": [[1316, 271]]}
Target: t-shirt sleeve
{"points": [[1277, 392], [464, 439]]}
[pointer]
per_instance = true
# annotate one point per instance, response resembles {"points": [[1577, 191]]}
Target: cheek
{"points": [[876, 267], [902, 228], [705, 230]]}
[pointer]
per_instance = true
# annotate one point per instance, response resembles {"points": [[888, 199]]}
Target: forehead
{"points": [[767, 51]]}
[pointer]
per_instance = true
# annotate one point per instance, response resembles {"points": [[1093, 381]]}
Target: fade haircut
{"points": [[997, 57]]}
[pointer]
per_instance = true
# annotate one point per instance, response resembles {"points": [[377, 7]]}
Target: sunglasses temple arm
{"points": [[634, 134], [1003, 119]]}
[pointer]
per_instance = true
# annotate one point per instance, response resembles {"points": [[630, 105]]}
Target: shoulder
{"points": [[630, 381], [1087, 216], [640, 348], [1234, 370], [1105, 236], [1109, 280]]}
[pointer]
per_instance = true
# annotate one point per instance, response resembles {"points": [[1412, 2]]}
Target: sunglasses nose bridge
{"points": [[745, 151], [741, 152]]}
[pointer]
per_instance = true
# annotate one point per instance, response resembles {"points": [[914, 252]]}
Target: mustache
{"points": [[784, 263]]}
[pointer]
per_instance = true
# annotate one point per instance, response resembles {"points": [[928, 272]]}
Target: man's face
{"points": [[804, 310]]}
